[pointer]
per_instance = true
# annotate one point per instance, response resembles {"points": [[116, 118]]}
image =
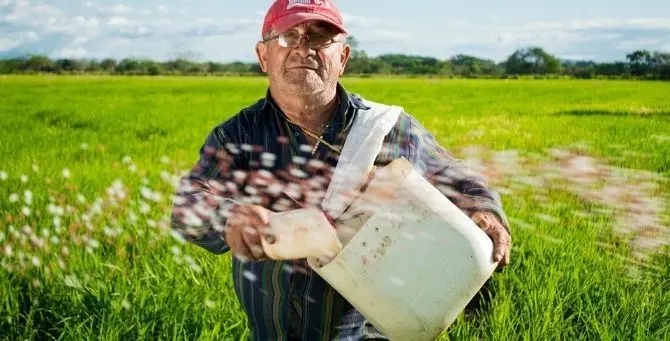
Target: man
{"points": [[278, 155]]}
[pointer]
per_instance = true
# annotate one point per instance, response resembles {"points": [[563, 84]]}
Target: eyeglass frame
{"points": [[301, 35]]}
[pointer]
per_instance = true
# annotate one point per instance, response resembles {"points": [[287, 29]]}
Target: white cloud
{"points": [[117, 21], [115, 9], [602, 23], [22, 10], [356, 21], [86, 22], [8, 44], [71, 52]]}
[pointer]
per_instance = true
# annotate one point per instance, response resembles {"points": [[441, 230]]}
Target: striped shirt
{"points": [[251, 158]]}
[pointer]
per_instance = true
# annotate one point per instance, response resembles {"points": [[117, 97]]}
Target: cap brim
{"points": [[285, 23]]}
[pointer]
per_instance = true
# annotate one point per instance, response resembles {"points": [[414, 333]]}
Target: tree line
{"points": [[531, 61]]}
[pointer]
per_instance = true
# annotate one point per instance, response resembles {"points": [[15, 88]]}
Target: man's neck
{"points": [[312, 111]]}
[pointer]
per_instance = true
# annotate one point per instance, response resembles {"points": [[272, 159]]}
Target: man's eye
{"points": [[318, 37], [291, 35]]}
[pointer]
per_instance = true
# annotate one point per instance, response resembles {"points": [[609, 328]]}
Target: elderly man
{"points": [[297, 129]]}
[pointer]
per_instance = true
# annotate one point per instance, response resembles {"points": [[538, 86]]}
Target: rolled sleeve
{"points": [[466, 189]]}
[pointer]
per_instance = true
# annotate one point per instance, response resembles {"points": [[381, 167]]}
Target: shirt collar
{"points": [[349, 99]]}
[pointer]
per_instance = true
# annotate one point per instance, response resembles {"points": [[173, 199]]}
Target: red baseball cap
{"points": [[284, 14]]}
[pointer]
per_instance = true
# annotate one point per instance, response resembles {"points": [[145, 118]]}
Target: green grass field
{"points": [[88, 165]]}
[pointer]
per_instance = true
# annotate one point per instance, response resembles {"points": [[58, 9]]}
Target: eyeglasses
{"points": [[293, 39]]}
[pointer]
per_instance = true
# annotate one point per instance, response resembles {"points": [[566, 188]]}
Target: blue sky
{"points": [[224, 30]]}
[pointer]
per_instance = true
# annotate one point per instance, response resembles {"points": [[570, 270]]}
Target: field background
{"points": [[110, 269]]}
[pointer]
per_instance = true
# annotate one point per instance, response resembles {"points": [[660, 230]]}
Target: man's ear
{"points": [[344, 57], [261, 53]]}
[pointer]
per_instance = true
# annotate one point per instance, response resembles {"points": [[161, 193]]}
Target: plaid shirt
{"points": [[254, 155]]}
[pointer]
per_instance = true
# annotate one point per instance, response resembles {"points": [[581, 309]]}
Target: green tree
{"points": [[108, 65], [640, 62], [533, 60], [38, 63], [465, 65]]}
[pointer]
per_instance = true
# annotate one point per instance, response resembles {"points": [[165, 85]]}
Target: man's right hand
{"points": [[244, 227]]}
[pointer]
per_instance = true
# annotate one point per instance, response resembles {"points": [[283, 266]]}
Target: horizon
{"points": [[225, 33]]}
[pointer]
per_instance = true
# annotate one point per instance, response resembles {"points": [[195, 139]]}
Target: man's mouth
{"points": [[303, 67]]}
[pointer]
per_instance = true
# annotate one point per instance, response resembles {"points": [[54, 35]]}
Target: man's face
{"points": [[301, 69]]}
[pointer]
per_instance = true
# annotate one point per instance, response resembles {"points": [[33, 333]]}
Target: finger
{"points": [[261, 214], [238, 246], [508, 255], [261, 221], [252, 242], [482, 221], [502, 246]]}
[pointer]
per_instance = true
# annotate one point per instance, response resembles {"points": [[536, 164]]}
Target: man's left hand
{"points": [[502, 241]]}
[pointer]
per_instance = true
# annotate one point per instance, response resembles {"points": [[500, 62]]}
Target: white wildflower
{"points": [[109, 232], [144, 207], [8, 251], [175, 250], [81, 199], [36, 261], [36, 168], [27, 230], [126, 159], [55, 210], [13, 197], [125, 304], [210, 304], [24, 178], [94, 244], [177, 236], [84, 146], [165, 160], [132, 168], [3, 175], [28, 197], [57, 222], [26, 211], [66, 173], [55, 240]]}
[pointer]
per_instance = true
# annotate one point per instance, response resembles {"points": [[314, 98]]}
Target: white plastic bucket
{"points": [[416, 261]]}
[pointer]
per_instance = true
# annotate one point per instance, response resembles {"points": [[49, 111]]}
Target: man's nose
{"points": [[303, 47]]}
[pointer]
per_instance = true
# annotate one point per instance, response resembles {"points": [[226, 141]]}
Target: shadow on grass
{"points": [[65, 121], [584, 112]]}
